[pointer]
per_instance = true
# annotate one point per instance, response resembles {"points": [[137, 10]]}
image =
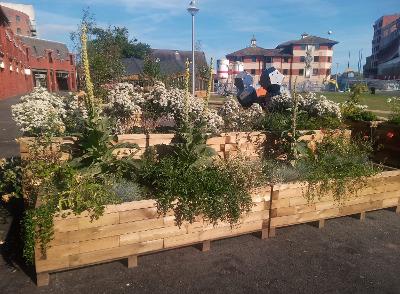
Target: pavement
{"points": [[8, 129]]}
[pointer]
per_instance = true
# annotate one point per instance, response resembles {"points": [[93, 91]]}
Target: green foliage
{"points": [[355, 112], [356, 91], [106, 49], [190, 183], [338, 168], [95, 151], [151, 68], [394, 103], [276, 171], [281, 121], [10, 178], [127, 190]]}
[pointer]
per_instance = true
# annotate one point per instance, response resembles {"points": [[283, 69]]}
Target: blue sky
{"points": [[224, 26]]}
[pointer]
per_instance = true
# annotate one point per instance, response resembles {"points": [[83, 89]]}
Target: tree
{"points": [[106, 48], [151, 68]]}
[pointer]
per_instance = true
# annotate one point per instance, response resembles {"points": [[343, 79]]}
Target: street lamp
{"points": [[193, 10]]}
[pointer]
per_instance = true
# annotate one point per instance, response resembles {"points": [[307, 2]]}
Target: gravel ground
{"points": [[347, 256]]}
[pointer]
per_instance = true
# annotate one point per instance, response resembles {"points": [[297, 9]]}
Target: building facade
{"points": [[306, 62], [21, 18], [384, 62], [26, 62]]}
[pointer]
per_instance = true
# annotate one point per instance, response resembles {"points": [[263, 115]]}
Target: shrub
{"points": [[39, 113], [357, 112], [191, 183], [394, 103], [237, 118], [337, 167]]}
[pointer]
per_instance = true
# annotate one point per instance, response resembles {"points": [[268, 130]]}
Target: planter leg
{"points": [[205, 246], [132, 261], [42, 279], [264, 234], [321, 224], [362, 216], [272, 232], [398, 209]]}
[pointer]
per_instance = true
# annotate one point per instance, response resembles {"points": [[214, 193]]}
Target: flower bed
{"points": [[131, 229], [290, 207]]}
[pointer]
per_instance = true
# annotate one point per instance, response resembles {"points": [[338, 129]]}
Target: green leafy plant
{"points": [[10, 178], [191, 183], [338, 167], [394, 103]]}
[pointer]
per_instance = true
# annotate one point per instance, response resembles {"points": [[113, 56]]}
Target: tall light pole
{"points": [[193, 10]]}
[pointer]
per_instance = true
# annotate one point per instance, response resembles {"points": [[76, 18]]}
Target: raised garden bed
{"points": [[135, 228], [290, 207]]}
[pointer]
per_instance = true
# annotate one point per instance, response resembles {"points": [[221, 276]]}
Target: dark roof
{"points": [[257, 51], [40, 46], [171, 61], [309, 40]]}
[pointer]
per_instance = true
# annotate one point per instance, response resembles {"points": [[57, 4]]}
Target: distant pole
{"points": [[193, 10], [337, 73]]}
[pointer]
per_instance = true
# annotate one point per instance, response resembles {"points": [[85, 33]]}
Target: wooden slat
{"points": [[115, 253], [149, 235], [137, 214]]}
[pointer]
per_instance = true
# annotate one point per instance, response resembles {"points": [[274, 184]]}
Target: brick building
{"points": [[304, 61], [384, 63], [26, 62], [20, 22]]}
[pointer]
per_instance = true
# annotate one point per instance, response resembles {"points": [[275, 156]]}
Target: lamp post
{"points": [[193, 10]]}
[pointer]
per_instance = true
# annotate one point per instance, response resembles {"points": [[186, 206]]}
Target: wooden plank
{"points": [[106, 231], [362, 207], [321, 224], [391, 202], [212, 234], [304, 217], [51, 264], [281, 203], [66, 225], [115, 253], [150, 235], [362, 216], [137, 214], [105, 220]]}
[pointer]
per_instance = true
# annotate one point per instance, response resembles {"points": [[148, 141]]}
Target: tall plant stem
{"points": [[209, 84]]}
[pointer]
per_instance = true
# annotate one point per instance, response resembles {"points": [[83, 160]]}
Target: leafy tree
{"points": [[151, 68], [106, 48]]}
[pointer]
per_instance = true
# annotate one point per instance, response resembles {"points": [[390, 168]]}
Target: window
{"points": [[301, 72], [268, 60], [253, 71], [302, 59], [50, 57], [286, 59], [316, 58], [317, 47], [329, 59], [19, 31], [315, 72], [254, 59], [285, 71], [17, 18], [303, 47]]}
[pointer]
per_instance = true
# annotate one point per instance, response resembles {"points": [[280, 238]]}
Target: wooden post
{"points": [[132, 261], [264, 234], [362, 216], [205, 246], [398, 209], [272, 232], [321, 224], [42, 279]]}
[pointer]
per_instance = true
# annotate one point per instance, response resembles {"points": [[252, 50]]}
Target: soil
{"points": [[347, 256]]}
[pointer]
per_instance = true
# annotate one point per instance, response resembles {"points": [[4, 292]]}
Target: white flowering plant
{"points": [[76, 113], [40, 113], [237, 118], [315, 105]]}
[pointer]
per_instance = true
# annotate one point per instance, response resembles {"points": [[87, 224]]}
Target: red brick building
{"points": [[26, 62], [19, 22], [307, 60]]}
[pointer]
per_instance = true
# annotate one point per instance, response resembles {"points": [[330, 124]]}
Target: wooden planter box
{"points": [[135, 228], [289, 206]]}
